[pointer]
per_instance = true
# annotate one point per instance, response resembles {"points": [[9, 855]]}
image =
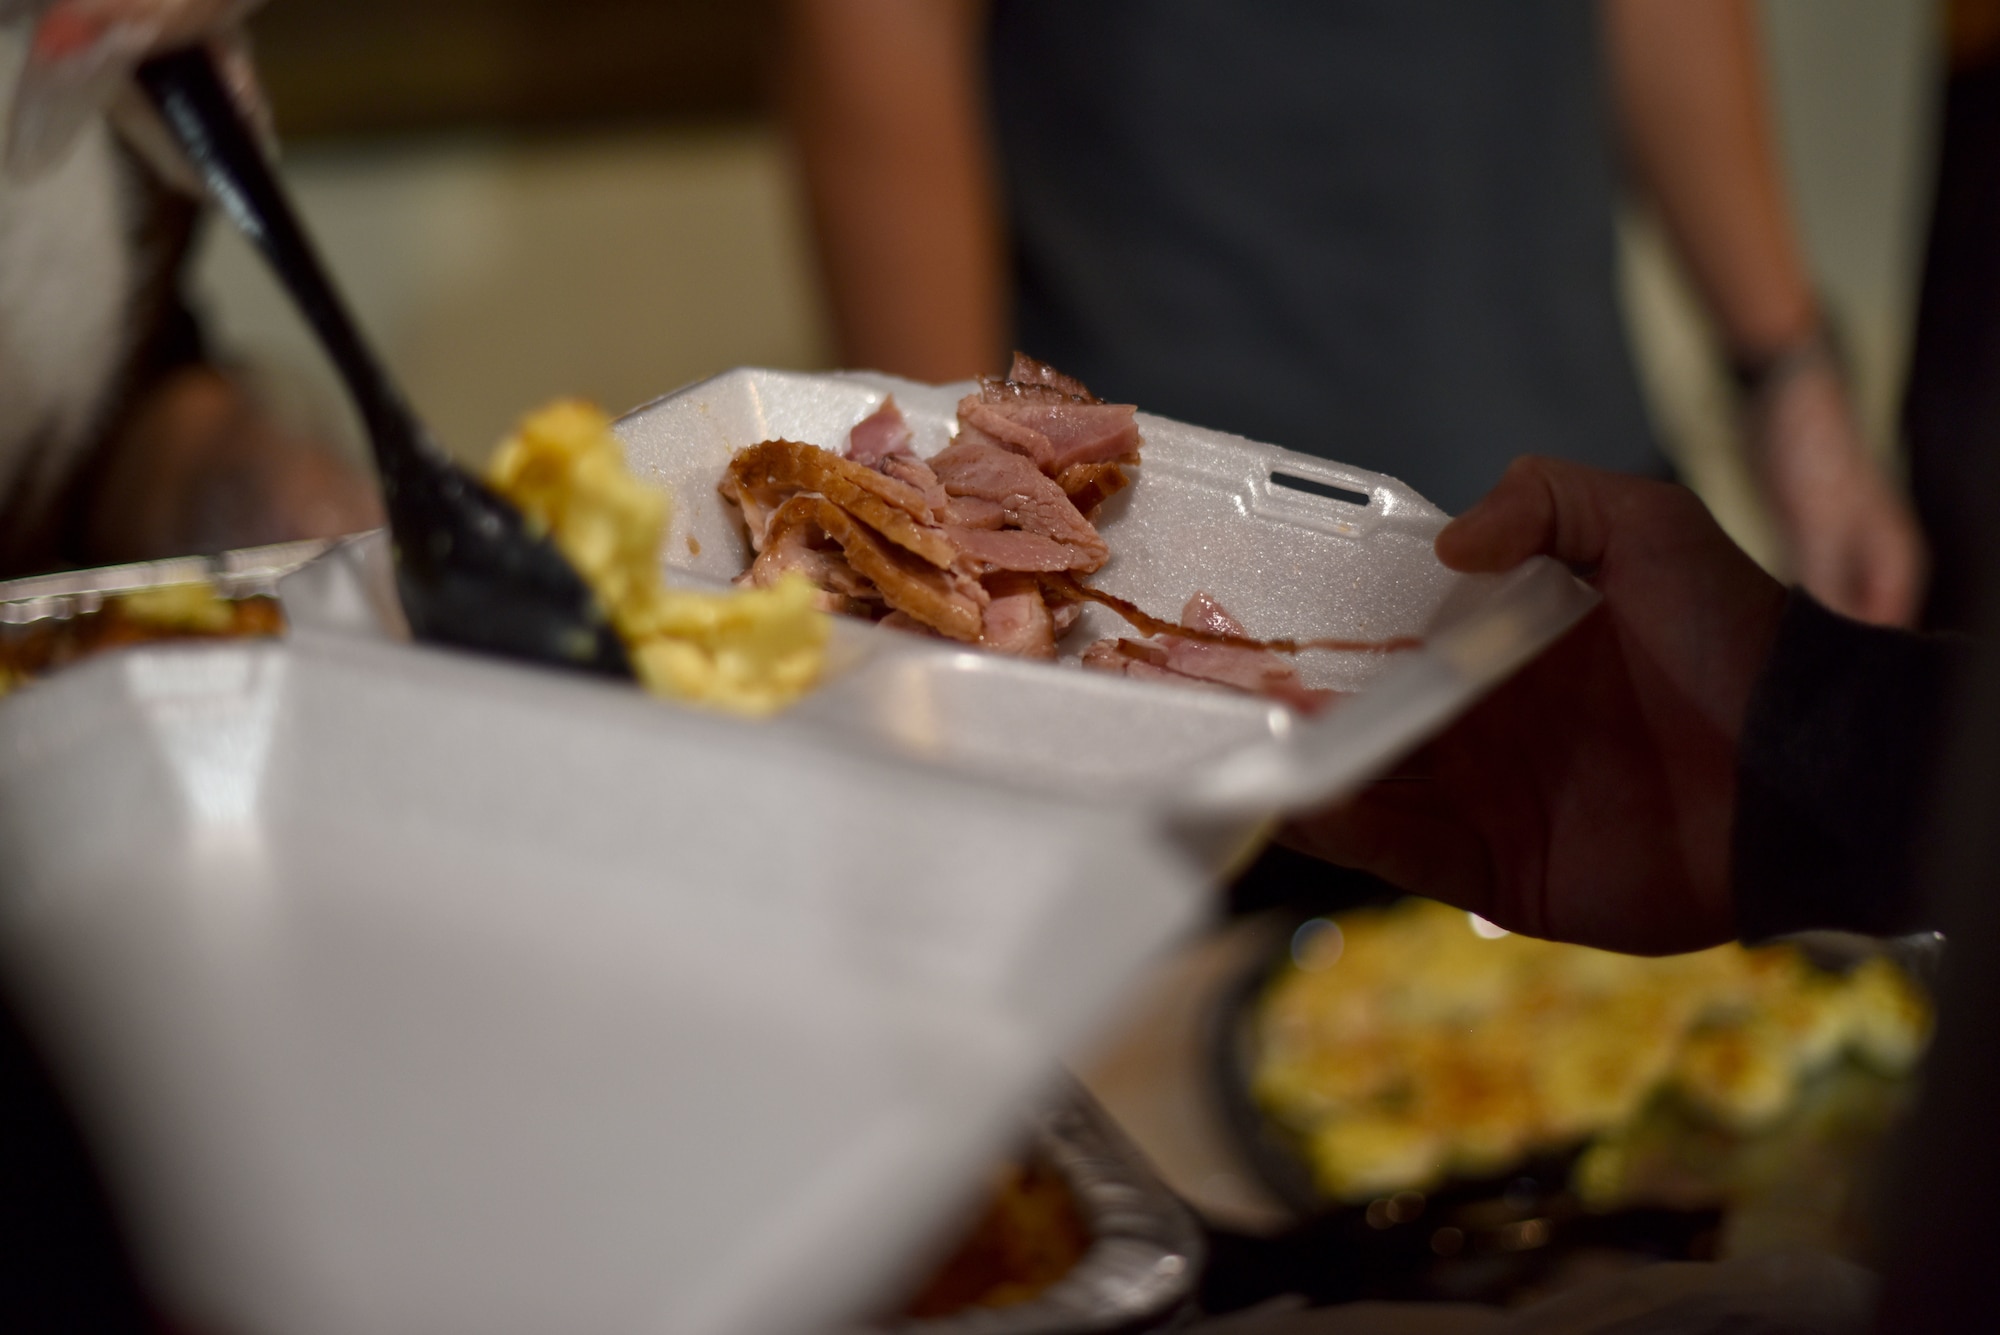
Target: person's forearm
{"points": [[884, 100], [1691, 89]]}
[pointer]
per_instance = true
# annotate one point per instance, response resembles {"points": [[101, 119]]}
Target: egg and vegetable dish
{"points": [[1408, 1045], [747, 651], [171, 612]]}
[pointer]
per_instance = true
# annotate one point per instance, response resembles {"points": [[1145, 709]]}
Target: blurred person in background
{"points": [[120, 439], [1377, 230], [1953, 398]]}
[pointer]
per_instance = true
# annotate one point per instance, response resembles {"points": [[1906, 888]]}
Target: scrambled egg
{"points": [[180, 609], [193, 610], [749, 652], [1406, 1044]]}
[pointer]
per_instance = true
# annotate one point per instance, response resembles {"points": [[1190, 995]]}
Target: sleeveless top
{"points": [[1380, 231]]}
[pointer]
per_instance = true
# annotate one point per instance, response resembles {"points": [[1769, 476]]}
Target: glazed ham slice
{"points": [[914, 472], [1055, 435], [1139, 660], [795, 543], [972, 512], [1027, 371], [1027, 498], [964, 544], [1012, 549], [898, 511], [1089, 486], [1203, 612], [1018, 620], [1051, 418], [881, 435], [883, 441], [945, 600], [1243, 668], [985, 423]]}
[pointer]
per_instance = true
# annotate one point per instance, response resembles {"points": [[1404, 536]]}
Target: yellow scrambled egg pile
{"points": [[750, 652], [193, 608], [1408, 1044]]}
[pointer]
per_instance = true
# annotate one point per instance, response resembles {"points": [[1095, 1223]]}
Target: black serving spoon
{"points": [[469, 570]]}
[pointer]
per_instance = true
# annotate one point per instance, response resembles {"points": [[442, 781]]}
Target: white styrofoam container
{"points": [[1204, 514], [405, 991]]}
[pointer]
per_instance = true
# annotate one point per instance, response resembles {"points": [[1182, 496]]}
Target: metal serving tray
{"points": [[252, 570], [404, 990], [1146, 1248]]}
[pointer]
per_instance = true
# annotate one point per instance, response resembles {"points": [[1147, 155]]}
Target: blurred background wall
{"points": [[526, 198], [538, 197]]}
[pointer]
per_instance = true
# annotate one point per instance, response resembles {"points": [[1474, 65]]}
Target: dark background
{"points": [[363, 67]]}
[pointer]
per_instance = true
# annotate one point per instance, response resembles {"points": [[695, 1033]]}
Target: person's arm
{"points": [[1691, 89], [884, 98], [1692, 93], [1591, 797], [1700, 758]]}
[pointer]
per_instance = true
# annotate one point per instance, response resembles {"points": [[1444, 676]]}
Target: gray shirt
{"points": [[1380, 231]]}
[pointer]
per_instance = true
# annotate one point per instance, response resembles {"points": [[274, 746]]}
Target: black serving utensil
{"points": [[469, 570]]}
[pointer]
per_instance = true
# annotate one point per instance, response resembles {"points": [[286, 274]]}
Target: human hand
{"points": [[1854, 542], [1591, 797], [81, 57]]}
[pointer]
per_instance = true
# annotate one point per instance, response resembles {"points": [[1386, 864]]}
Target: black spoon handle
{"points": [[470, 571], [198, 108]]}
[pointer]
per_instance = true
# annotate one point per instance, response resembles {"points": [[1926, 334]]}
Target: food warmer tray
{"points": [[1146, 1252]]}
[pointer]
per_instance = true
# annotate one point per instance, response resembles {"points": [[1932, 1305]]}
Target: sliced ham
{"points": [[945, 600], [972, 512], [1027, 498], [1254, 671], [1055, 434], [882, 441], [908, 624], [796, 543], [1016, 549], [996, 423], [1051, 418], [1089, 486], [1242, 667], [909, 469], [1027, 371], [881, 435], [1077, 433], [1028, 380], [1017, 620], [985, 542], [1203, 612], [755, 506], [894, 509], [1130, 658]]}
